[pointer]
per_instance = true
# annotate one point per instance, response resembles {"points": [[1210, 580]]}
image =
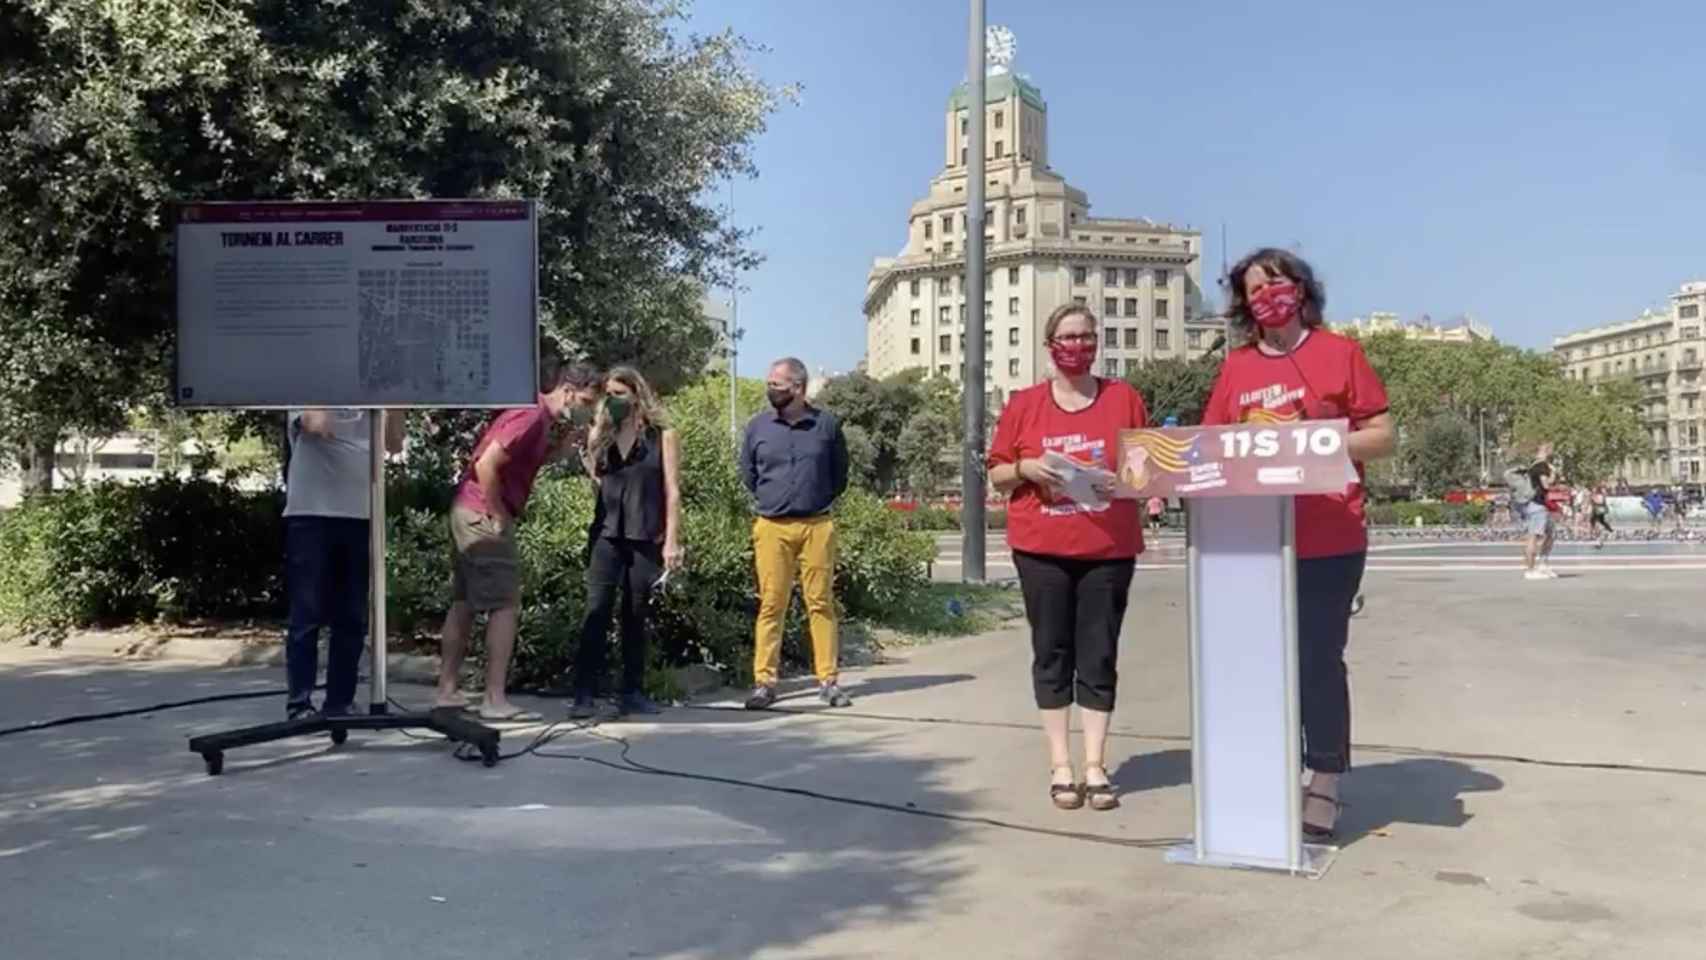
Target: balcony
{"points": [[1689, 363]]}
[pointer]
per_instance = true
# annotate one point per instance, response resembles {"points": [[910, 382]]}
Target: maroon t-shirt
{"points": [[526, 436], [1033, 423], [1326, 377]]}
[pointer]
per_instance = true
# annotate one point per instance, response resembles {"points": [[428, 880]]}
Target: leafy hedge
{"points": [[175, 550], [946, 519], [1433, 514]]}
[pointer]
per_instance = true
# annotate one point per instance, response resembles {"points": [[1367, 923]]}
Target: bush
{"points": [[177, 550], [1432, 514], [946, 519]]}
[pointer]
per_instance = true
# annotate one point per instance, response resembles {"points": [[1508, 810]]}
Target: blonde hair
{"points": [[1063, 311], [646, 407]]}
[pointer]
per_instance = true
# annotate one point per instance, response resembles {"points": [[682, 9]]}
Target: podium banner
{"points": [[1243, 460]]}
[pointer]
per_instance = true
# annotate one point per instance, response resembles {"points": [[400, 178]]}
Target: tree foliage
{"points": [[1442, 454], [1172, 387], [110, 112], [886, 413], [1593, 429]]}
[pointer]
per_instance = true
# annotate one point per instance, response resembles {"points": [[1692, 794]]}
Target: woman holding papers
{"points": [[1292, 368], [1074, 545]]}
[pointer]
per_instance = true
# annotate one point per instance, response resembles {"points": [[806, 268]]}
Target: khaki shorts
{"points": [[486, 566]]}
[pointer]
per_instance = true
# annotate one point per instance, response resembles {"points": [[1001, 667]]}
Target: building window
{"points": [[915, 288], [944, 284], [962, 156], [988, 279], [1013, 367], [942, 370], [1111, 276], [1012, 306], [1131, 306], [965, 126], [1131, 338], [1019, 216], [1111, 368], [928, 227], [988, 341], [945, 315], [1193, 338], [1012, 336], [1162, 341], [988, 308], [1013, 272], [962, 314], [1080, 276], [1078, 301], [962, 343], [947, 224], [945, 343], [988, 369], [915, 319], [1110, 337], [1110, 307], [1161, 278], [1160, 308], [1130, 368], [947, 248], [917, 346], [999, 119], [1688, 311], [1000, 149]]}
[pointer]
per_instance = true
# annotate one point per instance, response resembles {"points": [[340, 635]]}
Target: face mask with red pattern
{"points": [[1073, 358], [1276, 304]]}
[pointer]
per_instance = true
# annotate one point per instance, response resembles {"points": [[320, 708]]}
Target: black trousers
{"points": [[1599, 520], [1075, 608], [1326, 586], [633, 566]]}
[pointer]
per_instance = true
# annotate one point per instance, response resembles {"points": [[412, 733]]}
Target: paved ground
{"points": [[1479, 824]]}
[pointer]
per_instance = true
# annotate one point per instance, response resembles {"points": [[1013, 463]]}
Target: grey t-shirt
{"points": [[329, 475]]}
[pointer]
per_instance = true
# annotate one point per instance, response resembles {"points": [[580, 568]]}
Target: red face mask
{"points": [[1072, 359], [1276, 304]]}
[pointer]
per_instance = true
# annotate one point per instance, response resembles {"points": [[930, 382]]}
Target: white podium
{"points": [[1241, 575]]}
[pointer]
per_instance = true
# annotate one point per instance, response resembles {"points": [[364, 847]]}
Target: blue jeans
{"points": [[325, 575]]}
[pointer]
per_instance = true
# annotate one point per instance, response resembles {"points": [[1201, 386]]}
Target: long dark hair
{"points": [[1276, 263]]}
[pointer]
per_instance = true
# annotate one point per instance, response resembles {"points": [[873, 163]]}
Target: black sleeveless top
{"points": [[630, 491]]}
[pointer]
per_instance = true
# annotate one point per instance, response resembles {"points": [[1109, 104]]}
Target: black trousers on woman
{"points": [[631, 567], [1326, 586], [1075, 608]]}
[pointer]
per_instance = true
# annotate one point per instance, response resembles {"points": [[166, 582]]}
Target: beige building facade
{"points": [[1042, 249], [1665, 352], [1425, 330]]}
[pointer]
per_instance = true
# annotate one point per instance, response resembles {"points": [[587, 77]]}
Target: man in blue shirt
{"points": [[794, 462]]}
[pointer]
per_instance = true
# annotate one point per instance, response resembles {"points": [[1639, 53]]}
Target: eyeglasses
{"points": [[1074, 338]]}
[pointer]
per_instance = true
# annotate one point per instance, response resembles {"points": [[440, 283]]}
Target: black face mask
{"points": [[779, 398]]}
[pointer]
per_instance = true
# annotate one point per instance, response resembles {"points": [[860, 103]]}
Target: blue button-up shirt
{"points": [[794, 469]]}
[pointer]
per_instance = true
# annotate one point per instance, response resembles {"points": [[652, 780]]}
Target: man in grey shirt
{"points": [[326, 528]]}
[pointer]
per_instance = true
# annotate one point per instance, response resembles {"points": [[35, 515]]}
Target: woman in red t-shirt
{"points": [[1075, 556], [1292, 369]]}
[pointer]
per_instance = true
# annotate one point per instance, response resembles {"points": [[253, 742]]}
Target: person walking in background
{"points": [[1528, 495], [635, 537], [486, 568], [1157, 512], [327, 530], [1075, 559], [794, 462], [1600, 516], [1295, 369], [1654, 501]]}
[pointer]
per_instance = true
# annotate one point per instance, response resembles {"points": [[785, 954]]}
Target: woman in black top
{"points": [[635, 536]]}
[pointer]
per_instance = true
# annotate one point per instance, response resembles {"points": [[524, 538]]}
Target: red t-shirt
{"points": [[526, 436], [1033, 423], [1326, 377]]}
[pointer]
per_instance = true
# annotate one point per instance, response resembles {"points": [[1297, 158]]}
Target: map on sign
{"points": [[426, 331], [361, 304]]}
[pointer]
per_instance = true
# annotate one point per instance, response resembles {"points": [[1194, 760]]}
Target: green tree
{"points": [[929, 451], [110, 112], [861, 457], [1593, 428], [1442, 454], [1172, 387]]}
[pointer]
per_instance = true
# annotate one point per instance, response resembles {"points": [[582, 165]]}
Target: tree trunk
{"points": [[38, 464]]}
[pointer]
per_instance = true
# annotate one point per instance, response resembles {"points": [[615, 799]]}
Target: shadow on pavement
{"points": [[1153, 771], [1422, 791]]}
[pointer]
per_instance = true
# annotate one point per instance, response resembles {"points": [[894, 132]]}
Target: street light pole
{"points": [[732, 334], [971, 467]]}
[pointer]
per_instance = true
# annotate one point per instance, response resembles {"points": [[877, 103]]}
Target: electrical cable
{"points": [[156, 708]]}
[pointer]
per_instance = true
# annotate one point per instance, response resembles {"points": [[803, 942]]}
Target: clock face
{"points": [[1000, 46]]}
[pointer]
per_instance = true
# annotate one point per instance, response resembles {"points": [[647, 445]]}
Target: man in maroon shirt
{"points": [[489, 500]]}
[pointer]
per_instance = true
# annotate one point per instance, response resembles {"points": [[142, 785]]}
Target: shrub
{"points": [[1405, 512]]}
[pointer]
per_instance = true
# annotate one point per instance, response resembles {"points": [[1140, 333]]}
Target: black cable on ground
{"points": [[156, 708]]}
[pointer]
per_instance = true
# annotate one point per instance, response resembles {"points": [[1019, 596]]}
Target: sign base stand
{"points": [[1317, 859], [453, 724]]}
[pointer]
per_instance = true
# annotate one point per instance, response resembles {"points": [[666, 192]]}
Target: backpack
{"points": [[1522, 488]]}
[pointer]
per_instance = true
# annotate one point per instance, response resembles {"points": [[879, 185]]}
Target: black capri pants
{"points": [[1075, 608], [1326, 588]]}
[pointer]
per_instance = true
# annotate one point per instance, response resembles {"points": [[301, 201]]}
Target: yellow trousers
{"points": [[785, 550]]}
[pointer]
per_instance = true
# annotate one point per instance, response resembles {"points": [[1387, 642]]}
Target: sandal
{"points": [[512, 714], [1066, 796], [1316, 832], [1102, 796]]}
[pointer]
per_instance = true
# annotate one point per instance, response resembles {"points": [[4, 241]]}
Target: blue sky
{"points": [[1537, 166]]}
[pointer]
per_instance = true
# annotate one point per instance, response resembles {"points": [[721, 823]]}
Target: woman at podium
{"points": [[1292, 368], [1074, 545]]}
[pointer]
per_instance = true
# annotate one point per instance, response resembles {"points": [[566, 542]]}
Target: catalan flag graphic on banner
{"points": [[1170, 454], [1259, 415]]}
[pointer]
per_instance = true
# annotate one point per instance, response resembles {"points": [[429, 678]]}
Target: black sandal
{"points": [[1065, 796], [1316, 832], [1102, 796]]}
